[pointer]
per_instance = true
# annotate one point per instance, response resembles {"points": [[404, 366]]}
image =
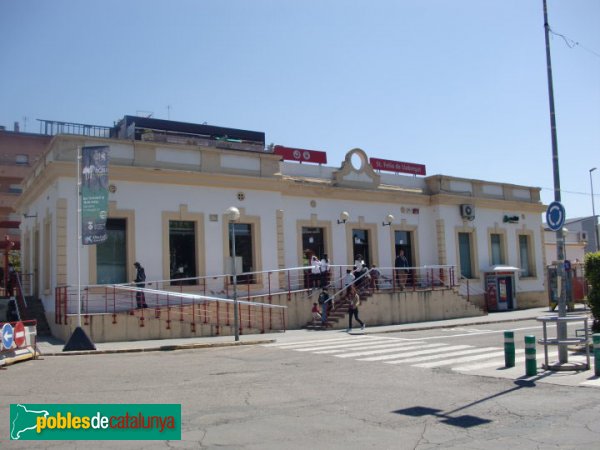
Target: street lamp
{"points": [[344, 216], [594, 212], [389, 218], [233, 214]]}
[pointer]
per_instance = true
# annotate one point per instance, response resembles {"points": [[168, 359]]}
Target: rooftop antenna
{"points": [[169, 112]]}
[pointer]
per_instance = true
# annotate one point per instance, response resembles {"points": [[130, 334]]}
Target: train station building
{"points": [[171, 183]]}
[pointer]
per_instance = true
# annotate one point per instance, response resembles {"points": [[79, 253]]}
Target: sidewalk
{"points": [[53, 347]]}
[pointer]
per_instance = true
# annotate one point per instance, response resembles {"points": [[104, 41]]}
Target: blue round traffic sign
{"points": [[7, 336], [555, 216]]}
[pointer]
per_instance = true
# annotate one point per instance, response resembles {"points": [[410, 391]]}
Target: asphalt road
{"points": [[290, 396]]}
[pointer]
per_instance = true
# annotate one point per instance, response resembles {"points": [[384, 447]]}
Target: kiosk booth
{"points": [[500, 288]]}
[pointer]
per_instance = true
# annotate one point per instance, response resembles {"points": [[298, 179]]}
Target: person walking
{"points": [[140, 278], [354, 300]]}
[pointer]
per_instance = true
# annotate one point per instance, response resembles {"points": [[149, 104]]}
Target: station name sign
{"points": [[300, 155], [397, 166]]}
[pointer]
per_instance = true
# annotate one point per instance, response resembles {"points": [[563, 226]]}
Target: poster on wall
{"points": [[94, 194]]}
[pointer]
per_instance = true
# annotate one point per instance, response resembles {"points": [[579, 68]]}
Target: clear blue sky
{"points": [[459, 86]]}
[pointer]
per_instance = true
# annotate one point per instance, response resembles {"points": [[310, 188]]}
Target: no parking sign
{"points": [[19, 332]]}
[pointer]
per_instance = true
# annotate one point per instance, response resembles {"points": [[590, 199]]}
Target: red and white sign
{"points": [[397, 166], [19, 333], [300, 155]]}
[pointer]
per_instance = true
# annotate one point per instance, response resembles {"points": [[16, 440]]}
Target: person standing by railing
{"points": [[401, 263], [140, 278], [324, 267], [315, 272]]}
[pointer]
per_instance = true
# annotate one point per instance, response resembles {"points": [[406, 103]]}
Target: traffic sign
{"points": [[19, 331], [7, 336], [555, 216]]}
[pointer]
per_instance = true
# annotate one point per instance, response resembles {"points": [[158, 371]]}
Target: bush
{"points": [[592, 275]]}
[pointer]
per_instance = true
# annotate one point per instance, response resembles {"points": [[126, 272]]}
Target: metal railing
{"points": [[53, 127], [209, 300]]}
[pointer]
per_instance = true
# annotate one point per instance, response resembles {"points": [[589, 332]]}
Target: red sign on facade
{"points": [[300, 155], [397, 166]]}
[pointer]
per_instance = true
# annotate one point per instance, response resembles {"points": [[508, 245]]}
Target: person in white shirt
{"points": [[348, 279], [324, 267], [315, 271]]}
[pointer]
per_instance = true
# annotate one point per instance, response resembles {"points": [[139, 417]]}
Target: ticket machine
{"points": [[500, 288]]}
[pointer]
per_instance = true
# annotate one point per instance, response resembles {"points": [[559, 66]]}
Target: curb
{"points": [[437, 327], [162, 348]]}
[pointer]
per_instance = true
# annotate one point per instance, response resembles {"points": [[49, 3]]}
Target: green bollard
{"points": [[596, 341], [530, 359], [509, 349]]}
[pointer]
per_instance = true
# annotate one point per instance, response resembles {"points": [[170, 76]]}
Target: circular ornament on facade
{"points": [[112, 188], [313, 203], [241, 196], [296, 154], [357, 161]]}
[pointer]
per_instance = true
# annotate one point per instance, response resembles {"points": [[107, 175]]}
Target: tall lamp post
{"points": [[233, 214], [594, 212]]}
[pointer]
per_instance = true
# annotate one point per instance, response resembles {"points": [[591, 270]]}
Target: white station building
{"points": [[171, 184]]}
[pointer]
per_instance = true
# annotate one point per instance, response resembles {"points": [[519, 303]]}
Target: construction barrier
{"points": [[18, 341], [509, 349]]}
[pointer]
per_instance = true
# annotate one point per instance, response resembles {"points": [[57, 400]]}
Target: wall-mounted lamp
{"points": [[233, 214], [389, 219], [29, 216], [344, 216]]}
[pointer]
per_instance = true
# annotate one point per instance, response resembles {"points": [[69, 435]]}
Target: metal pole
{"points": [[594, 213], [78, 238], [235, 300], [560, 243]]}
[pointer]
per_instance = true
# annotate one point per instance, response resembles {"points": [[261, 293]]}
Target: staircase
{"points": [[35, 311], [338, 316]]}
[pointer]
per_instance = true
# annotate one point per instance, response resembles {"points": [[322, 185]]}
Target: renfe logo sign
{"points": [[397, 166], [300, 155]]}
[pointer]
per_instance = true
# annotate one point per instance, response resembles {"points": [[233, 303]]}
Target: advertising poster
{"points": [[94, 194]]}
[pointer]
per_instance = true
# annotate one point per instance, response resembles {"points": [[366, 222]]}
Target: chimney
{"points": [[16, 127]]}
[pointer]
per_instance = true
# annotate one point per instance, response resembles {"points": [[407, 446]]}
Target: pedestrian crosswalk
{"points": [[425, 354]]}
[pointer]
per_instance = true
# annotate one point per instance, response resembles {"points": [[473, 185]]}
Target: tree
{"points": [[592, 274]]}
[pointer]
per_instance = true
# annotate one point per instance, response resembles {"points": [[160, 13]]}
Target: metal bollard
{"points": [[596, 341], [509, 349], [530, 358]]}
